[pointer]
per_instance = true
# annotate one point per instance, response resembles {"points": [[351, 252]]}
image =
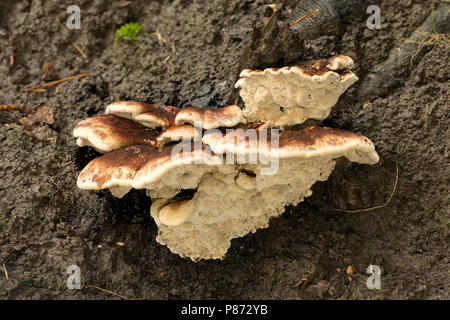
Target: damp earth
{"points": [[188, 54]]}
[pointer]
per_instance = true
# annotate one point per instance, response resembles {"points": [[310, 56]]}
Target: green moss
{"points": [[128, 32]]}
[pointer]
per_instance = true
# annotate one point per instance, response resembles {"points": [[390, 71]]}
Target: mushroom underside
{"points": [[230, 201], [287, 97], [284, 97]]}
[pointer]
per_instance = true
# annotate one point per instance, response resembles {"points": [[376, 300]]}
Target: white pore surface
{"points": [[228, 202], [288, 96]]}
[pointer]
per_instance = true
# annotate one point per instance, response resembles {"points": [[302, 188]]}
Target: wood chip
{"points": [[350, 270]]}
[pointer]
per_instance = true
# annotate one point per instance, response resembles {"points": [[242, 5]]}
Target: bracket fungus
{"points": [[148, 115], [229, 116], [217, 174], [288, 96]]}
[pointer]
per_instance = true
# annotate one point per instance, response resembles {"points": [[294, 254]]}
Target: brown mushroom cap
{"points": [[177, 133], [115, 169], [228, 116], [312, 142], [340, 62], [108, 132], [139, 165], [148, 115]]}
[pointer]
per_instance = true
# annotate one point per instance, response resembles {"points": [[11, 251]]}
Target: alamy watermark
{"points": [[374, 20], [74, 280], [374, 281], [74, 20]]}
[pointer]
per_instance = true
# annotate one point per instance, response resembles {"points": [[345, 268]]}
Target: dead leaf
{"points": [[42, 115]]}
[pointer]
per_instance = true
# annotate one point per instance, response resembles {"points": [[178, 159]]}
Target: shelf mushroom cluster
{"points": [[217, 174]]}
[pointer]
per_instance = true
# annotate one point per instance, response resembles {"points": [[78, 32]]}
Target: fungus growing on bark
{"points": [[229, 196], [229, 116], [178, 133], [148, 115], [108, 132], [217, 174], [312, 142], [288, 96]]}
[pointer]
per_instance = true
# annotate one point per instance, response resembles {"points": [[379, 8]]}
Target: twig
{"points": [[48, 84], [6, 272], [303, 18], [16, 107], [107, 291], [376, 207], [79, 49]]}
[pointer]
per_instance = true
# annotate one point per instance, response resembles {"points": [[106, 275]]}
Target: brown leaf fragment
{"points": [[42, 115]]}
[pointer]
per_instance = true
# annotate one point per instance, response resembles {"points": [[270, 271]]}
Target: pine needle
{"points": [[79, 49], [40, 87], [303, 18]]}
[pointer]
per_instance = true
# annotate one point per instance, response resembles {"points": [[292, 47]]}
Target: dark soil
{"points": [[48, 224]]}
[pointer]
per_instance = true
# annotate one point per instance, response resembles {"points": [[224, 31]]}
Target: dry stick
{"points": [[48, 84], [304, 17], [376, 207], [6, 272], [110, 292], [79, 49], [18, 107]]}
